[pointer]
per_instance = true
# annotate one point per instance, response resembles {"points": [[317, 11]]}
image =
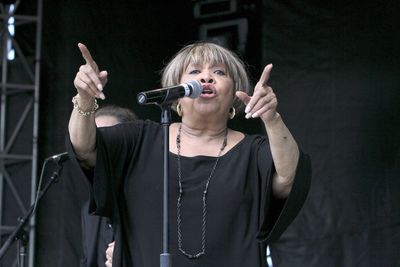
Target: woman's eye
{"points": [[194, 72], [219, 72]]}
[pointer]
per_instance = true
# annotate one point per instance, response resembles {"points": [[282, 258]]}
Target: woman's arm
{"points": [[284, 149], [285, 154], [89, 83]]}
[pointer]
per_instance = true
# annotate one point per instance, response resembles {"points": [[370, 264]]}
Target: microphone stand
{"points": [[20, 233], [165, 257]]}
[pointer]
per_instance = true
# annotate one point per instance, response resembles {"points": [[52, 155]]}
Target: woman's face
{"points": [[218, 90]]}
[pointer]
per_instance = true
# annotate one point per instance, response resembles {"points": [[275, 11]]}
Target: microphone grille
{"points": [[196, 88]]}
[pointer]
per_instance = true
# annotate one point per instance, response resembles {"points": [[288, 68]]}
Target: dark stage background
{"points": [[336, 75]]}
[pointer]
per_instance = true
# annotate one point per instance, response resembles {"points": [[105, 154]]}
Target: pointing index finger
{"points": [[265, 74], [86, 55]]}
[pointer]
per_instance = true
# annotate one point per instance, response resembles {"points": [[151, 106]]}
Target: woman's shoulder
{"points": [[238, 137], [238, 140], [234, 138]]}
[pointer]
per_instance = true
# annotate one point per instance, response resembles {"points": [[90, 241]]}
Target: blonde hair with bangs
{"points": [[204, 52]]}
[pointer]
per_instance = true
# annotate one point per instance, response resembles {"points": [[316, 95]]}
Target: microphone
{"points": [[59, 158], [191, 89]]}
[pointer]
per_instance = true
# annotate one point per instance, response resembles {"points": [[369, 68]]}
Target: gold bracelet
{"points": [[82, 112]]}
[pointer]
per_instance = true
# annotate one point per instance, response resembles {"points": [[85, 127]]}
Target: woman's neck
{"points": [[203, 130]]}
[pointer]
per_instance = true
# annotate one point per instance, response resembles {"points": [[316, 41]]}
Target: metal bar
{"points": [[23, 59], [14, 191], [3, 108], [32, 232], [18, 157], [31, 65], [18, 127], [7, 228], [19, 86], [21, 18]]}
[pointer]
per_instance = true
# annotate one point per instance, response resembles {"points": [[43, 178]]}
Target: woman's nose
{"points": [[206, 78]]}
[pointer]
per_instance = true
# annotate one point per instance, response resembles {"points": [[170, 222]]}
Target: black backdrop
{"points": [[338, 79], [336, 74]]}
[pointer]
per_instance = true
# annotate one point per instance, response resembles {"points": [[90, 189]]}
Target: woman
{"points": [[229, 192]]}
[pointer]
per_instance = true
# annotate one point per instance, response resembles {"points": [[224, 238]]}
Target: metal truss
{"points": [[19, 119]]}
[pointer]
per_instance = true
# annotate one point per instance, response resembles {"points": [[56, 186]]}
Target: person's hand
{"points": [[89, 81], [109, 254], [263, 103]]}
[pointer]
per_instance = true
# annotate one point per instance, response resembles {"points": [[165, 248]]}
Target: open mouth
{"points": [[207, 91]]}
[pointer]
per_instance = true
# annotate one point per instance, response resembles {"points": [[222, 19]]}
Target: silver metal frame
{"points": [[30, 68]]}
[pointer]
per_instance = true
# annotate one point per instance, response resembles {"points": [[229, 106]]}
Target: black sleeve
{"points": [[278, 214], [116, 151], [115, 147]]}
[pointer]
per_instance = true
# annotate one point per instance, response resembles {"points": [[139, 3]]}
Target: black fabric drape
{"points": [[337, 78]]}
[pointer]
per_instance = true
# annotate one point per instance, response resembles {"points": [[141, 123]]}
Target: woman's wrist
{"points": [[85, 107], [274, 120]]}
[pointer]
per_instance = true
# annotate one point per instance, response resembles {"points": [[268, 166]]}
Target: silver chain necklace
{"points": [[179, 203]]}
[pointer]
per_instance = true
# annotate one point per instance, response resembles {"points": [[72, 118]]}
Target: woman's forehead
{"points": [[206, 64], [207, 55]]}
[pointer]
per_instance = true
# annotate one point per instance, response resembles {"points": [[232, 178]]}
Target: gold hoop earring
{"points": [[232, 113], [179, 110]]}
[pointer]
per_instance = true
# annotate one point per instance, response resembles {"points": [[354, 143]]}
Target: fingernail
{"points": [[102, 96], [100, 87], [255, 114], [247, 109], [248, 116]]}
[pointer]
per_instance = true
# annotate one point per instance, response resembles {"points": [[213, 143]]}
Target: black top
{"points": [[241, 211], [97, 233]]}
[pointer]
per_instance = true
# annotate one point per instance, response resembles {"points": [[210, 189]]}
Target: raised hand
{"points": [[263, 103], [89, 81]]}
